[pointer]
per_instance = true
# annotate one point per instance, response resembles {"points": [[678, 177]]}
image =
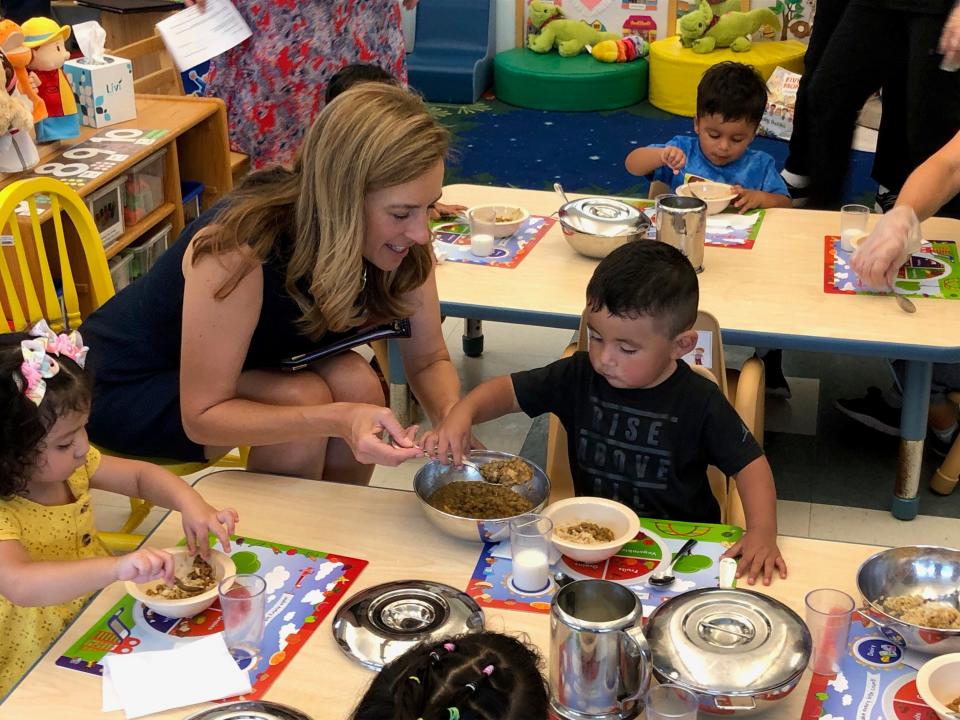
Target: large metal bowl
{"points": [[596, 246], [596, 226], [932, 572], [434, 475]]}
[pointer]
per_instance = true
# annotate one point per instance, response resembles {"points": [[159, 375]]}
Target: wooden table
{"points": [[387, 528], [769, 296]]}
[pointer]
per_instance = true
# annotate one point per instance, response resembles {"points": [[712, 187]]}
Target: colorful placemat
{"points": [[873, 682], [932, 272], [732, 230], [490, 584], [303, 586], [452, 238]]}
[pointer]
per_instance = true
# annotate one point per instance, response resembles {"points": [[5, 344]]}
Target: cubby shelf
{"points": [[138, 230]]}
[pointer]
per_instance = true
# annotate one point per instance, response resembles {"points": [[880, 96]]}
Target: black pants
{"points": [[870, 48]]}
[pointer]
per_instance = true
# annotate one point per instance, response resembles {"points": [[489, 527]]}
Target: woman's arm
{"points": [[215, 338]]}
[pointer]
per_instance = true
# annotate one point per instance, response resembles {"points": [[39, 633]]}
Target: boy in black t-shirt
{"points": [[641, 425]]}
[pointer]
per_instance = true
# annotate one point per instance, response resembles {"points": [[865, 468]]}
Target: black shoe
{"points": [[884, 201], [872, 411], [776, 382], [939, 446]]}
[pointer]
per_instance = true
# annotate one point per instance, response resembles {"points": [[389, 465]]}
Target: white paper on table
{"points": [[148, 682], [194, 36]]}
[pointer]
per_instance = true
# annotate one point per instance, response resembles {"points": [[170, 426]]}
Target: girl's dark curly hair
{"points": [[23, 425], [482, 676]]}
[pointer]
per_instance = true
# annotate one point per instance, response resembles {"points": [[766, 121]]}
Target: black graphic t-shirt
{"points": [[647, 448]]}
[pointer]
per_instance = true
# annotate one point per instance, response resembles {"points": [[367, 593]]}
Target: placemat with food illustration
{"points": [[932, 272], [724, 229], [873, 682], [303, 586], [491, 586], [452, 238]]}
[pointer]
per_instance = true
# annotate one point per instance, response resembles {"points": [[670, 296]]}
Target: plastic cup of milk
{"points": [[530, 549], [483, 228], [853, 224]]}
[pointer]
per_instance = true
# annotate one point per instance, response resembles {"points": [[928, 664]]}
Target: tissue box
{"points": [[104, 93]]}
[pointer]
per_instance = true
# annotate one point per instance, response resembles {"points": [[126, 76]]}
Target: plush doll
{"points": [[703, 30], [17, 151], [47, 39], [570, 37], [631, 47], [19, 55]]}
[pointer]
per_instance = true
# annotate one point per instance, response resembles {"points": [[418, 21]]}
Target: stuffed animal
{"points": [[631, 47], [703, 30], [19, 55], [570, 37], [47, 40], [17, 151]]}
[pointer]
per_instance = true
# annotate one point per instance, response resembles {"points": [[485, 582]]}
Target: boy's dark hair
{"points": [[349, 75], [431, 678], [733, 91], [24, 425], [646, 277]]}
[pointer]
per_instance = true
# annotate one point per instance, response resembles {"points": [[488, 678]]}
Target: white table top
{"points": [[388, 529], [769, 295]]}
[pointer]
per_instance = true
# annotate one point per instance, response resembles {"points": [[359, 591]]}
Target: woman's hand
{"points": [[879, 257], [949, 45], [146, 564], [202, 4], [409, 4], [200, 519], [363, 428]]}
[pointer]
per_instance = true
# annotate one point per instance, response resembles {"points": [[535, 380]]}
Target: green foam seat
{"points": [[549, 82]]}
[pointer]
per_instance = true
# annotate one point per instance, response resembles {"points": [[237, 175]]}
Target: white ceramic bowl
{"points": [[938, 683], [716, 195], [616, 516], [504, 228], [223, 567]]}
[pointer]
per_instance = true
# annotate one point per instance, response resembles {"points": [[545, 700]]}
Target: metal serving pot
{"points": [[740, 651], [596, 226], [928, 571]]}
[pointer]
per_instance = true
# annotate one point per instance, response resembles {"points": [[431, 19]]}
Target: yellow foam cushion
{"points": [[675, 71]]}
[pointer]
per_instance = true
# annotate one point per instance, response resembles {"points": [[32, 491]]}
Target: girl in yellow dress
{"points": [[51, 559]]}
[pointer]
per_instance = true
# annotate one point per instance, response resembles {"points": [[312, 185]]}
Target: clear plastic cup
{"points": [[853, 223], [828, 617], [243, 601], [530, 549], [671, 702], [483, 228]]}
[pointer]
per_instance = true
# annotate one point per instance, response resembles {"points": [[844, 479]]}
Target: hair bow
{"points": [[38, 364]]}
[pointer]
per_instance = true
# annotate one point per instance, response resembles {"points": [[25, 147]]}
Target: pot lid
{"points": [[383, 622], [728, 642], [250, 710], [602, 216]]}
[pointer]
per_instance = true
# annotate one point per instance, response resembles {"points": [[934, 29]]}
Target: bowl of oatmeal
{"points": [[938, 683], [194, 589], [912, 594], [591, 529]]}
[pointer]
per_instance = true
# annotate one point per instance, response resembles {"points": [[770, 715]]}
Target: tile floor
{"points": [[542, 345]]}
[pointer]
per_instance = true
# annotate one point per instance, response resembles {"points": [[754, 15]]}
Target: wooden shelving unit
{"points": [[137, 231]]}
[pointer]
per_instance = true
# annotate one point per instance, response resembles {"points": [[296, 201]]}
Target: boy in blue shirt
{"points": [[731, 99], [642, 426]]}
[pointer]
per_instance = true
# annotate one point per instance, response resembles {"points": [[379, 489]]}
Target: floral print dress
{"points": [[274, 82]]}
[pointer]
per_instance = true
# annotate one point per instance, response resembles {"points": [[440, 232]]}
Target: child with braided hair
{"points": [[481, 676]]}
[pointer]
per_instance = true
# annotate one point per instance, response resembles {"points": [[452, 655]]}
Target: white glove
{"points": [[878, 258]]}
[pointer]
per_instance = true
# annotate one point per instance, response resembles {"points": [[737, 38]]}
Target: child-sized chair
{"points": [[744, 390]]}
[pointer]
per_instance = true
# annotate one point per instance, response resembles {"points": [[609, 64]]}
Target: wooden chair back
{"points": [[153, 70]]}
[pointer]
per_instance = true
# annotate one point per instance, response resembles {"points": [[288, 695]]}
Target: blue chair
{"points": [[452, 58]]}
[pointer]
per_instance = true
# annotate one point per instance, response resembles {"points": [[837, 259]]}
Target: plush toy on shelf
{"points": [[17, 151], [47, 40], [631, 47], [703, 30], [570, 37], [19, 55]]}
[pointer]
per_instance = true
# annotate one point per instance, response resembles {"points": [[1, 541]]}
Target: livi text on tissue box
{"points": [[103, 91]]}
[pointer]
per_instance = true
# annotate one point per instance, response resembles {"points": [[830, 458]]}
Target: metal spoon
{"points": [[664, 577], [559, 188], [905, 303]]}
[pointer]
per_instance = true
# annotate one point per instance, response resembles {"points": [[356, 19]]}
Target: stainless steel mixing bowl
{"points": [[435, 475]]}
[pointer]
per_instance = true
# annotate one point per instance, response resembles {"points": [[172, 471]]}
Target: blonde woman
{"points": [[185, 359]]}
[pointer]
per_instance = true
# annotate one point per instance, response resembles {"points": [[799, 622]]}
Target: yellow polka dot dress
{"points": [[58, 532]]}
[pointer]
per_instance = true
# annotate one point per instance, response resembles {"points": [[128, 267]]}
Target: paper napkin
{"points": [[148, 682]]}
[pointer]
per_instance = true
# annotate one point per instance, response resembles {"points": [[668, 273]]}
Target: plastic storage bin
{"points": [[191, 192], [120, 271], [143, 188], [148, 252], [106, 206]]}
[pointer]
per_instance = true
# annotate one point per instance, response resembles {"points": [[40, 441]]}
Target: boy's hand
{"points": [[451, 438], [200, 519], [747, 199], [758, 553], [146, 564], [674, 158]]}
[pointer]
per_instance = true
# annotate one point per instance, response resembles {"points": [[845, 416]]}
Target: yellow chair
{"points": [[744, 390]]}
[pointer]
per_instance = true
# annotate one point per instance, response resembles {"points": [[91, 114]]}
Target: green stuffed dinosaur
{"points": [[704, 31], [569, 36]]}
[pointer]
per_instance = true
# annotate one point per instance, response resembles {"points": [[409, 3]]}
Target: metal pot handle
{"points": [[635, 645], [742, 704]]}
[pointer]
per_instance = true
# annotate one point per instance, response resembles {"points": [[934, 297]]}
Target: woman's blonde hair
{"points": [[373, 136]]}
